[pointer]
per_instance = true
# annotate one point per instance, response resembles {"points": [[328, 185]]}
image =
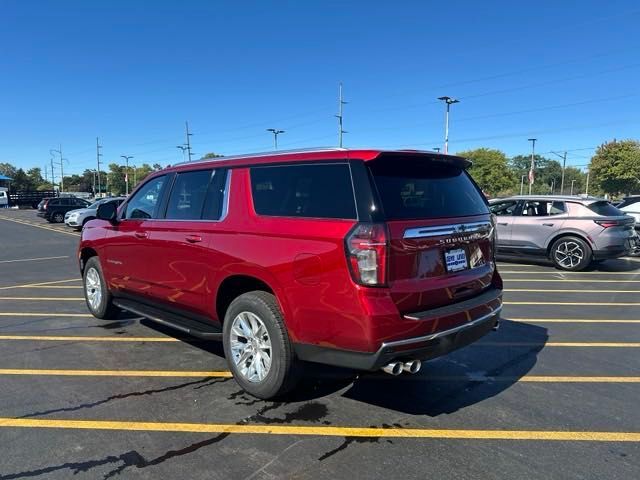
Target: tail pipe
{"points": [[412, 366], [393, 368]]}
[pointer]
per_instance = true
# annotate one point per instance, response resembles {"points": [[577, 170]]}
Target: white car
{"points": [[631, 206], [76, 219]]}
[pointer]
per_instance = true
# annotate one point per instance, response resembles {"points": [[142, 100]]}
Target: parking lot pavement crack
{"points": [[200, 383]]}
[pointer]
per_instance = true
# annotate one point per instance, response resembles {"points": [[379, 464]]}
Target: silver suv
{"points": [[571, 231], [77, 218]]}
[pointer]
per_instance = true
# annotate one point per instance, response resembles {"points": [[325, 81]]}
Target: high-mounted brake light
{"points": [[367, 252]]}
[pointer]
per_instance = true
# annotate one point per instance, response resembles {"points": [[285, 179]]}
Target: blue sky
{"points": [[131, 72]]}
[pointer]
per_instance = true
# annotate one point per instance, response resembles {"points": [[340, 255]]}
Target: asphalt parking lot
{"points": [[552, 394]]}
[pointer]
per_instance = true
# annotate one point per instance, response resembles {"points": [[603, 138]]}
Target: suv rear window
{"points": [[605, 209], [416, 188], [312, 191]]}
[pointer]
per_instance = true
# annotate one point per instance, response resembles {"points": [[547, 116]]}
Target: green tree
{"points": [[490, 170], [7, 169], [211, 155], [615, 167], [548, 173], [577, 177]]}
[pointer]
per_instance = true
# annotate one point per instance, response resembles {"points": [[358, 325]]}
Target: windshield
{"points": [[417, 188], [95, 204]]}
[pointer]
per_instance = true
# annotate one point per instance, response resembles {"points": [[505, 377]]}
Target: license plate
{"points": [[455, 260]]}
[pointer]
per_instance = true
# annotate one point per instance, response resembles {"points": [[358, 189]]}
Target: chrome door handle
{"points": [[548, 224], [141, 234], [193, 238]]}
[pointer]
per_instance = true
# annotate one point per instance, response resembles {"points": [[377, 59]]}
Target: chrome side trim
{"points": [[444, 230], [444, 333]]}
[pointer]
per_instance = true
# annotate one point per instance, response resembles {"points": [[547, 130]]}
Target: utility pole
{"points": [[188, 140], [275, 132], [533, 165], [98, 155], [53, 178], [522, 184], [46, 176], [449, 101], [52, 151], [184, 149], [564, 166], [341, 102], [586, 192], [126, 175], [572, 182]]}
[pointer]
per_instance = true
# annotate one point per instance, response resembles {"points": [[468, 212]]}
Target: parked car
{"points": [[571, 231], [631, 206], [364, 259], [78, 218], [28, 198], [54, 209]]}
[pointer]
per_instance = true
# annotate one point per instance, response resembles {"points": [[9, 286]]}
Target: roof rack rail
{"points": [[261, 154]]}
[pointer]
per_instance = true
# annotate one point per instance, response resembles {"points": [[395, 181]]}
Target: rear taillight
{"points": [[367, 252], [607, 223]]}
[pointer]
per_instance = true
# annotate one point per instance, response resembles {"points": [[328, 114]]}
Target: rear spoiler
{"points": [[454, 160]]}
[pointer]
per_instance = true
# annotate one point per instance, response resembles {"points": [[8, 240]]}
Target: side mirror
{"points": [[109, 212]]}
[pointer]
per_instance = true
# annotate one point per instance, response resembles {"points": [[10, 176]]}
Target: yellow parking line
{"points": [[61, 287], [370, 432], [583, 304], [33, 259], [555, 290], [568, 320], [559, 344], [113, 373], [26, 285], [44, 314], [38, 226], [569, 379], [46, 299], [52, 338]]}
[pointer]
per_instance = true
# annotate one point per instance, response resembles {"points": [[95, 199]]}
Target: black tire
{"points": [[105, 309], [283, 373], [571, 253], [84, 222], [57, 217]]}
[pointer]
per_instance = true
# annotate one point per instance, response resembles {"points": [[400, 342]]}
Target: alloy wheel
{"points": [[250, 346], [93, 288], [569, 254]]}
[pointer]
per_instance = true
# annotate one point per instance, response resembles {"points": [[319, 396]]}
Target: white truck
{"points": [[4, 197]]}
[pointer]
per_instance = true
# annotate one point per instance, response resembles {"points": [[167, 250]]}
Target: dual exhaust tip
{"points": [[396, 368]]}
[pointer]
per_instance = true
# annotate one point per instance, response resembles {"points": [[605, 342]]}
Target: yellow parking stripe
{"points": [[33, 259], [568, 320], [48, 338], [46, 299], [112, 373], [26, 285], [369, 432], [44, 314], [564, 379], [555, 290], [583, 304], [69, 287], [38, 226]]}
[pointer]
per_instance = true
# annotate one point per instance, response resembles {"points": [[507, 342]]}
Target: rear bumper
{"points": [[423, 348]]}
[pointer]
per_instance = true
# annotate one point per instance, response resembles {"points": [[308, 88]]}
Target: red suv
{"points": [[364, 259]]}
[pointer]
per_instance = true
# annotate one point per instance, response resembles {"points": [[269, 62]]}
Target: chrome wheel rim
{"points": [[58, 218], [250, 347], [93, 288], [569, 254]]}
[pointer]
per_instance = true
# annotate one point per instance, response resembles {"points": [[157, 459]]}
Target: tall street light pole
{"points": [[533, 165], [436, 149], [522, 184], [126, 175], [572, 182], [564, 166], [184, 149], [275, 132], [449, 101], [98, 155]]}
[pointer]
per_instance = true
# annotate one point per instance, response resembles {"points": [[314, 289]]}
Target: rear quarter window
{"points": [[605, 209], [311, 191], [417, 188]]}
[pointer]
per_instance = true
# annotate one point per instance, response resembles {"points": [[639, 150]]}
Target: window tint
{"points": [[315, 191], [420, 188], [215, 202], [504, 208], [188, 195], [604, 208], [144, 203], [543, 209]]}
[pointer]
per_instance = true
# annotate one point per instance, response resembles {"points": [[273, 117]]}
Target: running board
{"points": [[172, 320]]}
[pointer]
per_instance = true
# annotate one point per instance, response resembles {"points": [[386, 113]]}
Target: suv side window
{"points": [[507, 208], [543, 209], [311, 191], [144, 204], [188, 195]]}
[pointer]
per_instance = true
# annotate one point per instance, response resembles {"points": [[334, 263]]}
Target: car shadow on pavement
{"points": [[463, 378]]}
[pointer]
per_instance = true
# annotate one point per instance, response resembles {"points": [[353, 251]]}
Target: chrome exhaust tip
{"points": [[412, 366], [393, 368]]}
